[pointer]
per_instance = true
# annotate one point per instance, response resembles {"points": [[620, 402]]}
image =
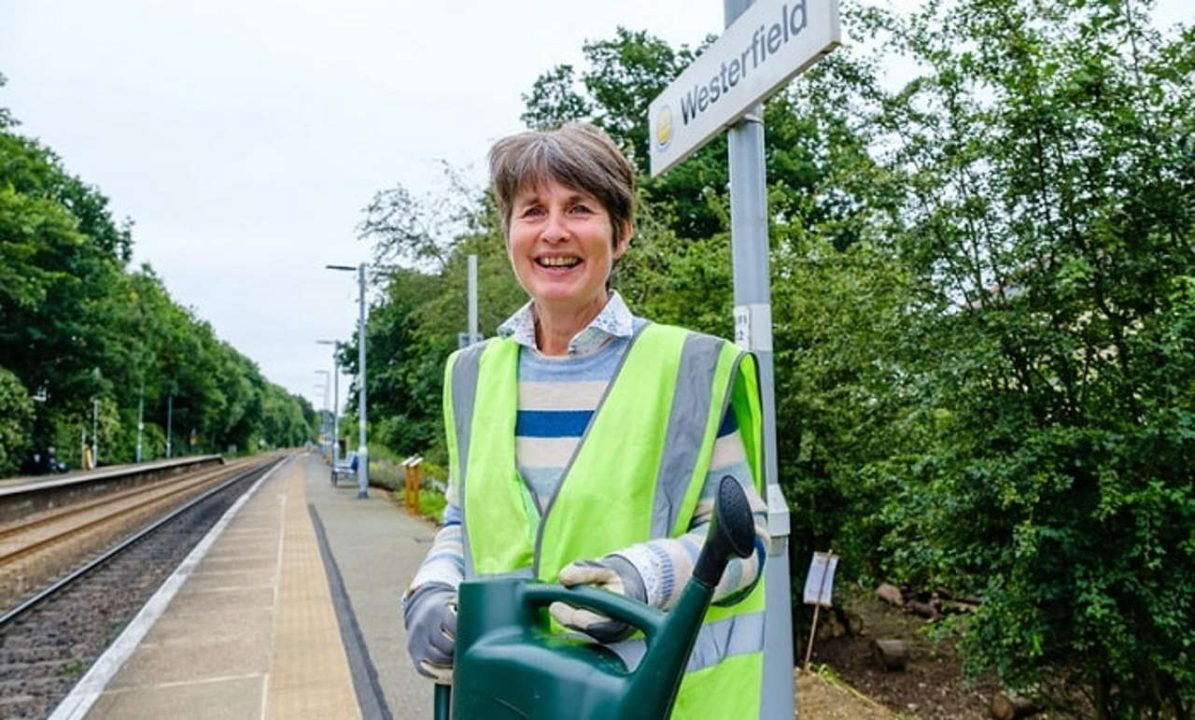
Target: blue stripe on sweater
{"points": [[552, 423]]}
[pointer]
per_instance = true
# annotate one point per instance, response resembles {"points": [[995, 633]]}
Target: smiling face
{"points": [[561, 246]]}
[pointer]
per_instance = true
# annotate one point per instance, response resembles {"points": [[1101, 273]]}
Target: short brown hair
{"points": [[577, 155]]}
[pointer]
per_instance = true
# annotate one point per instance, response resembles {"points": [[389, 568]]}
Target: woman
{"points": [[621, 430]]}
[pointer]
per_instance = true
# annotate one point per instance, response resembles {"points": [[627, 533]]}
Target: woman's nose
{"points": [[555, 229]]}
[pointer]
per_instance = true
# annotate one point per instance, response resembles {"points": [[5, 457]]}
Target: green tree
{"points": [[554, 100], [16, 422], [1047, 159], [58, 281]]}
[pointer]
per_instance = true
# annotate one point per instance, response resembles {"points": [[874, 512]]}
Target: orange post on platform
{"points": [[413, 476]]}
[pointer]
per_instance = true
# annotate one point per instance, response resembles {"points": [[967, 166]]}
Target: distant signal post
{"points": [[766, 44]]}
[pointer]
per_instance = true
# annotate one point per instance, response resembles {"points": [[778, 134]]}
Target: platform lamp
{"points": [[323, 423], [324, 387], [335, 397], [362, 449]]}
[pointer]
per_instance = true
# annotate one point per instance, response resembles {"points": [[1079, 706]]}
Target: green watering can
{"points": [[508, 665]]}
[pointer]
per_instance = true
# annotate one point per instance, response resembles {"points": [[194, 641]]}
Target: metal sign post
{"points": [[470, 336], [473, 336], [753, 331], [362, 448], [766, 44]]}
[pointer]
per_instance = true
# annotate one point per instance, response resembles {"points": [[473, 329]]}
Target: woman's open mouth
{"points": [[558, 262]]}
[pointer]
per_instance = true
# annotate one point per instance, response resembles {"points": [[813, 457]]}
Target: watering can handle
{"points": [[443, 700], [732, 531], [614, 606]]}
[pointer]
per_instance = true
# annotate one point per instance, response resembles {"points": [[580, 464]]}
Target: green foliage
{"points": [[431, 504], [16, 421], [1045, 158], [553, 100]]}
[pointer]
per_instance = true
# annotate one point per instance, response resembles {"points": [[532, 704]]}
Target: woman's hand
{"points": [[611, 573], [429, 614]]}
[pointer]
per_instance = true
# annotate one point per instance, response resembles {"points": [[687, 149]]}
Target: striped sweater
{"points": [[556, 400]]}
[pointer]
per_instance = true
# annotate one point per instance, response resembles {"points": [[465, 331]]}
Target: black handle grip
{"points": [[731, 531]]}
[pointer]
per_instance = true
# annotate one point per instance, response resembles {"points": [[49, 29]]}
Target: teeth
{"points": [[558, 261]]}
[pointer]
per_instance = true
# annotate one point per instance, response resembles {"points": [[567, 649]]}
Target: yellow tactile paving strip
{"points": [[309, 674], [252, 634]]}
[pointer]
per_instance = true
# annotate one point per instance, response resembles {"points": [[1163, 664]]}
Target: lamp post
{"points": [[335, 397], [362, 449], [325, 424]]}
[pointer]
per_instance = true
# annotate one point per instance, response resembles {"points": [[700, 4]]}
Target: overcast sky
{"points": [[243, 137]]}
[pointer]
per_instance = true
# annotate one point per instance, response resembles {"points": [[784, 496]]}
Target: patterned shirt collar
{"points": [[615, 320]]}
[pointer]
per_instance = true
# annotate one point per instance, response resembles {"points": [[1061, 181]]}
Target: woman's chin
{"points": [[561, 298]]}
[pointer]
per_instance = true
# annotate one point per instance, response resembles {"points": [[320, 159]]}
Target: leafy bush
{"points": [[16, 422]]}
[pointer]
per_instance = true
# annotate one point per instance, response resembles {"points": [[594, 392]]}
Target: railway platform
{"points": [[290, 609]]}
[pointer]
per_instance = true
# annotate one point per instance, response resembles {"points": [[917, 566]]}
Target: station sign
{"points": [[769, 44]]}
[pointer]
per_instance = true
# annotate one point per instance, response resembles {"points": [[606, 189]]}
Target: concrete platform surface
{"points": [[292, 613]]}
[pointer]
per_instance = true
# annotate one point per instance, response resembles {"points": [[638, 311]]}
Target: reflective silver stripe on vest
{"points": [[464, 396], [716, 641], [686, 428]]}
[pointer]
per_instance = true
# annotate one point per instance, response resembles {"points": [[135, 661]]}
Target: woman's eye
{"points": [[532, 211], [582, 209]]}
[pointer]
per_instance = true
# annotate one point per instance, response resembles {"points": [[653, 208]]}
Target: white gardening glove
{"points": [[612, 573], [429, 614]]}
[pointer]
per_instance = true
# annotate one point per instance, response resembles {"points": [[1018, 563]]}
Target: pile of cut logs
{"points": [[931, 605]]}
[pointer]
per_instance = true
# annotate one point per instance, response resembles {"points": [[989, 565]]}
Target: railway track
{"points": [[44, 544], [28, 536], [48, 641]]}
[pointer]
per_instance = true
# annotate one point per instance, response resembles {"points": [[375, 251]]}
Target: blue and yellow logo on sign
{"points": [[663, 130]]}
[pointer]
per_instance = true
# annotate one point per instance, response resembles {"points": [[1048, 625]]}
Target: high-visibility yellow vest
{"points": [[636, 475]]}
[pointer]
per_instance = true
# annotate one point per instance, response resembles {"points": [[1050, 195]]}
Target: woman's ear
{"points": [[628, 229]]}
